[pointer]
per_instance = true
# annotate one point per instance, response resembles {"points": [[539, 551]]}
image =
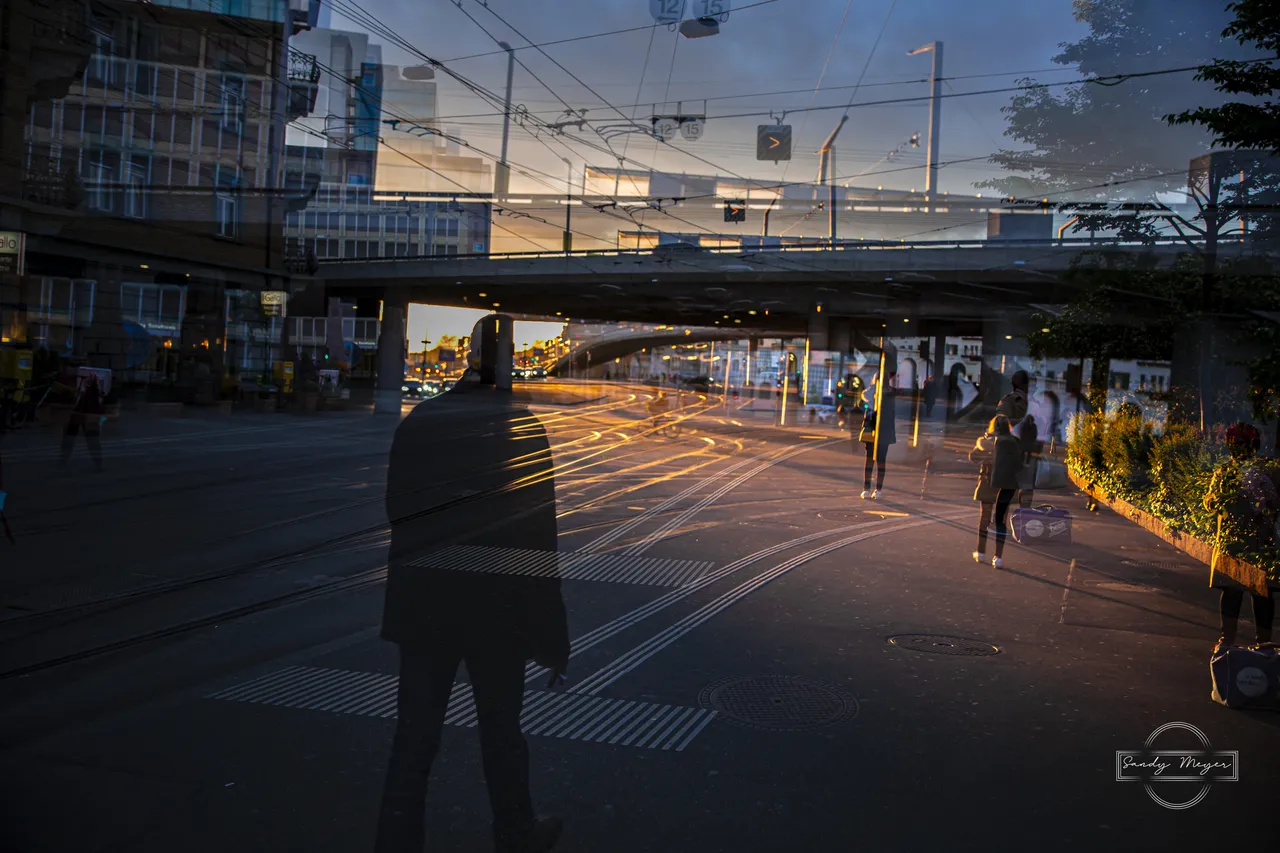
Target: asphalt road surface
{"points": [[762, 661]]}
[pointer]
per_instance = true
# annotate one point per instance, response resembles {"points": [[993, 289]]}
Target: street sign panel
{"points": [[773, 142], [712, 9], [667, 11], [691, 129], [666, 127], [735, 211], [13, 250], [275, 303]]}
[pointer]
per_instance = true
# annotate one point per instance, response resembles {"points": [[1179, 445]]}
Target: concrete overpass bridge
{"points": [[619, 342], [776, 289]]}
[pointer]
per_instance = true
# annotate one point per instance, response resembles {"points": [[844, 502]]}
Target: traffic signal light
{"points": [[924, 348], [735, 211], [773, 142]]}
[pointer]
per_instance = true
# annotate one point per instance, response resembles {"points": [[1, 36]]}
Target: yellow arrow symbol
{"points": [[776, 142]]}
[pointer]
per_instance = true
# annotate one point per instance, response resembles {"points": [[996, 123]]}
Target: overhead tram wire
{"points": [[652, 27], [817, 86], [880, 84]]}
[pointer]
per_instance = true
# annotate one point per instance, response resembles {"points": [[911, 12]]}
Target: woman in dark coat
{"points": [[1246, 502], [879, 431], [1000, 459]]}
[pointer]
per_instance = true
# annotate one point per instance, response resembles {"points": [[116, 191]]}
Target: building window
{"points": [[1120, 381], [101, 175], [134, 196], [232, 103], [451, 228], [953, 349], [226, 202]]}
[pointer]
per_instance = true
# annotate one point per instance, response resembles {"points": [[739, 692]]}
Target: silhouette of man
{"points": [[470, 469]]}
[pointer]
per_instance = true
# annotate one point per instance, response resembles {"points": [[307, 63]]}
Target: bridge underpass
{"points": [[987, 289]]}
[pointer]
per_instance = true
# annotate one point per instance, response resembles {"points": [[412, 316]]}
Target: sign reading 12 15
{"points": [[711, 9], [668, 11]]}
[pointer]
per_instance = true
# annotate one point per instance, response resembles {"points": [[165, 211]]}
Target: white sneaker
{"points": [[875, 496], [979, 557], [997, 562], [865, 494]]}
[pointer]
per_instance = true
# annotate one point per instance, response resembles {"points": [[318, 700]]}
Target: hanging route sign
{"points": [[668, 11], [773, 142]]}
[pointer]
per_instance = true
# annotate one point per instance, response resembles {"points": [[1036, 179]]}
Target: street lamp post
{"points": [[425, 342], [827, 174], [935, 121], [568, 208], [502, 174]]}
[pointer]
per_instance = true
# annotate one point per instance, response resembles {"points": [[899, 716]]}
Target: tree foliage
{"points": [[1109, 140]]}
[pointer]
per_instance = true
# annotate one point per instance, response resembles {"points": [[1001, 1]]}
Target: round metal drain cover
{"points": [[1125, 587], [958, 646], [779, 703], [1168, 565]]}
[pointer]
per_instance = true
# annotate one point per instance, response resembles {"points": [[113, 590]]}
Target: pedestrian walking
{"points": [[1000, 460], [930, 395], [445, 603], [1014, 404], [878, 433], [1247, 504], [87, 417]]}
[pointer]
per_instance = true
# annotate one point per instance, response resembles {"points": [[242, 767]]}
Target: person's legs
{"points": [[870, 464], [426, 680], [69, 439], [1264, 616], [1229, 611], [984, 523], [1002, 515], [880, 466], [93, 435], [497, 677]]}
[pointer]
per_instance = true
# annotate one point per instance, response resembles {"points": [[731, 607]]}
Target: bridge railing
{"points": [[840, 245]]}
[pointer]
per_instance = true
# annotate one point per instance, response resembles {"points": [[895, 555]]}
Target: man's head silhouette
{"points": [[492, 351]]}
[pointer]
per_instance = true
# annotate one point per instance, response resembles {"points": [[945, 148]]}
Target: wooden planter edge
{"points": [[1238, 570]]}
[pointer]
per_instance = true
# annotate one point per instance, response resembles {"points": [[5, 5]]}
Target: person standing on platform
{"points": [[444, 603], [999, 459], [86, 416], [878, 433]]}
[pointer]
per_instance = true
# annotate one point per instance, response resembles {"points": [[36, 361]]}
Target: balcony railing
{"points": [[53, 187], [302, 67]]}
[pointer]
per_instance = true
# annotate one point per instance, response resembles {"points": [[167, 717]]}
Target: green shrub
{"points": [[1182, 465], [1126, 450], [1084, 451]]}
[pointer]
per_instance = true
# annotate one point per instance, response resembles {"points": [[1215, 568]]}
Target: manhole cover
{"points": [[1167, 565], [779, 703], [958, 646], [1125, 587]]}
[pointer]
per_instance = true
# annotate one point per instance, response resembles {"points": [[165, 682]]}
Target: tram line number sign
{"points": [[673, 11], [773, 142], [690, 127], [667, 11]]}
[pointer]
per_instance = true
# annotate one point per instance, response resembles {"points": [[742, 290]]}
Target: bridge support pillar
{"points": [[391, 355], [1004, 353]]}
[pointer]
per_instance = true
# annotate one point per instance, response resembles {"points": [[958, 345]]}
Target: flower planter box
{"points": [[1245, 574], [264, 404], [222, 408], [308, 402]]}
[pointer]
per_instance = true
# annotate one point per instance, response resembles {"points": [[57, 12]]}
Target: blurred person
{"points": [[930, 396], [493, 484], [87, 415], [878, 433], [1000, 460], [1029, 442], [1014, 404], [1245, 500]]}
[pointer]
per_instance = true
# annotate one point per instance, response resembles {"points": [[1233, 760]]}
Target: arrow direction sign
{"points": [[773, 142], [735, 211]]}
